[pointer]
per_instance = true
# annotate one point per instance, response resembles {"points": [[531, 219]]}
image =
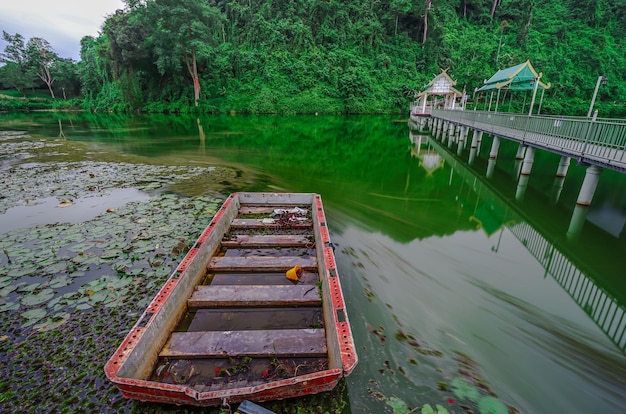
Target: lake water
{"points": [[459, 293]]}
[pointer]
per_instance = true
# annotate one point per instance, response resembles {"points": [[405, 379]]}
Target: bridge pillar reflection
{"points": [[559, 179], [585, 196], [493, 155], [522, 184]]}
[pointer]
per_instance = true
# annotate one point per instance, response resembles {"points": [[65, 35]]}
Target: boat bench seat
{"points": [[262, 343], [267, 240], [254, 295], [260, 263], [269, 223]]}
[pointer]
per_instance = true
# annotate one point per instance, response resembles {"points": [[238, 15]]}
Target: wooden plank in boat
{"points": [[264, 343], [260, 263], [243, 210], [267, 240], [271, 223], [247, 278], [239, 319], [254, 295]]}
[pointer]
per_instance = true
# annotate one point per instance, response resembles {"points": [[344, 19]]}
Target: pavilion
{"points": [[522, 77], [441, 85]]}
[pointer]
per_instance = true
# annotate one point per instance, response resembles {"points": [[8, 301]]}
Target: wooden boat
{"points": [[228, 325]]}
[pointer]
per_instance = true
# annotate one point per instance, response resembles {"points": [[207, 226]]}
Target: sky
{"points": [[61, 22]]}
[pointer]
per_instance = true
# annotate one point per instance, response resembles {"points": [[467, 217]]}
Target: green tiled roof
{"points": [[519, 77]]}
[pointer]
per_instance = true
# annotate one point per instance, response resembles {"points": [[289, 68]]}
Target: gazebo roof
{"points": [[519, 77], [441, 84]]}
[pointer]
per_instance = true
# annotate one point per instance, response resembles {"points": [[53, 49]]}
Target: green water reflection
{"points": [[427, 246]]}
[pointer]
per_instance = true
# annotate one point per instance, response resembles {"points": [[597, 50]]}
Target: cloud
{"points": [[62, 22]]}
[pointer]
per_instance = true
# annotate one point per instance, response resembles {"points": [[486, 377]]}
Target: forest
{"points": [[325, 56]]}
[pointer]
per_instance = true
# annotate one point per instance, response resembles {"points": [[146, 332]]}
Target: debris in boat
{"points": [[294, 273], [182, 371], [296, 211]]}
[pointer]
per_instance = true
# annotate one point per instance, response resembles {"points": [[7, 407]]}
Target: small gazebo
{"points": [[522, 77], [441, 85]]}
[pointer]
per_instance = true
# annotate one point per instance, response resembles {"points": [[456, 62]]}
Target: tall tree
{"points": [[15, 72], [41, 56], [184, 33]]}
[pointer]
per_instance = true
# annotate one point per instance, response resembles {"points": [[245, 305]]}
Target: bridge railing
{"points": [[601, 138]]}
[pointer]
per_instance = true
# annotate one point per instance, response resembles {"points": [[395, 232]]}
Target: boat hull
{"points": [[131, 367]]}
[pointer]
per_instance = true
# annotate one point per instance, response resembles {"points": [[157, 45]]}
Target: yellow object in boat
{"points": [[294, 273]]}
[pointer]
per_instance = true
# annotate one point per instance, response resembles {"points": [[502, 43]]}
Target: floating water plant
{"points": [[491, 405], [427, 409], [462, 389]]}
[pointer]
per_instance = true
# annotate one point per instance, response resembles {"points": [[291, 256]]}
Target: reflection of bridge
{"points": [[599, 304], [603, 308]]}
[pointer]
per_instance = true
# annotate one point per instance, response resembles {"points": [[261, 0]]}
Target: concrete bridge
{"points": [[600, 142], [596, 143]]}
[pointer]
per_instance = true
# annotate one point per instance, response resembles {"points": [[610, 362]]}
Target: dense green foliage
{"points": [[343, 56]]}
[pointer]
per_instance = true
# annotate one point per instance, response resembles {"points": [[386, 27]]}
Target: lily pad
{"points": [[81, 247], [55, 268], [491, 405], [427, 409], [7, 289], [33, 316], [35, 299], [9, 306], [397, 405], [22, 271], [60, 281], [29, 287], [52, 322], [463, 389]]}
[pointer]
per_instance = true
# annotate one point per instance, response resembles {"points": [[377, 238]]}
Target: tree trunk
{"points": [[45, 76], [428, 4], [493, 7], [192, 67]]}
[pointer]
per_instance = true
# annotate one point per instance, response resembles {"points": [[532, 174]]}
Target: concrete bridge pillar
{"points": [[519, 157], [445, 133], [451, 134], [585, 196], [440, 127], [465, 135], [590, 183], [559, 179], [477, 137], [522, 184], [462, 138], [495, 146], [493, 155]]}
